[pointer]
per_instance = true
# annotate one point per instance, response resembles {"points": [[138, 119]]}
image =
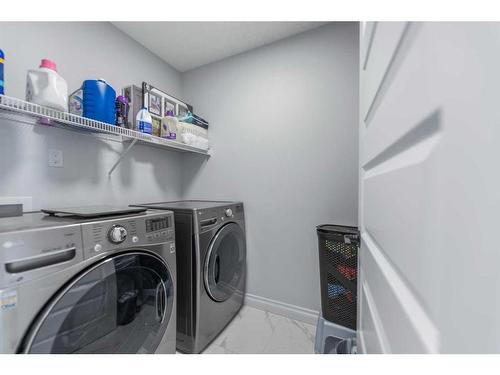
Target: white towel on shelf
{"points": [[194, 140]]}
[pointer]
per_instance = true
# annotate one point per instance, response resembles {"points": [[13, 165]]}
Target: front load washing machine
{"points": [[211, 268], [88, 285]]}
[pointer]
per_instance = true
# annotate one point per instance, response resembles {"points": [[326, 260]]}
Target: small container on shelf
{"points": [[94, 100], [134, 96], [156, 126], [2, 83], [144, 122], [169, 126], [122, 108], [44, 86]]}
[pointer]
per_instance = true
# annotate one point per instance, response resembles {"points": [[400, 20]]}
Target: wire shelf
{"points": [[48, 116]]}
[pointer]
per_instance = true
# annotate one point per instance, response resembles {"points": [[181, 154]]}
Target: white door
{"points": [[429, 188]]}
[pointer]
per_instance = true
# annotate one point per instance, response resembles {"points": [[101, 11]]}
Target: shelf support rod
{"points": [[123, 154]]}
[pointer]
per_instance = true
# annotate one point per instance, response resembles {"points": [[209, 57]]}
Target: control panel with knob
{"points": [[228, 212], [117, 234]]}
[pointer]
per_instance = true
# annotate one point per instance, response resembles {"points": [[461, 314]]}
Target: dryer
{"points": [[88, 285], [211, 268]]}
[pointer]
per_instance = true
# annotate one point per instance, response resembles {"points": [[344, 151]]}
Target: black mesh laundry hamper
{"points": [[338, 264]]}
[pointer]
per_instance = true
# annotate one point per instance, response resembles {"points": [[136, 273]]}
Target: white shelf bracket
{"points": [[123, 154]]}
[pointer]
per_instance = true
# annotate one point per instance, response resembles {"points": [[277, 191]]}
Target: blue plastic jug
{"points": [[99, 101]]}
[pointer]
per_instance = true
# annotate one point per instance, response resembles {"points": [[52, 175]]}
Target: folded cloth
{"points": [[194, 140]]}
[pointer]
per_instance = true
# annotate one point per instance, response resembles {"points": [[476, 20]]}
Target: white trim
{"points": [[276, 307]]}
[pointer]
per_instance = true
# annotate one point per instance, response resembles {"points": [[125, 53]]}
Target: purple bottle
{"points": [[122, 107]]}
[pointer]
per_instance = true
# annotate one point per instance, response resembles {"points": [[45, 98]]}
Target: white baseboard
{"points": [[290, 311]]}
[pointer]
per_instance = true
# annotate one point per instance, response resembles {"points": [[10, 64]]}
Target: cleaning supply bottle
{"points": [[44, 86], [169, 126], [144, 122], [2, 59], [122, 107], [99, 101]]}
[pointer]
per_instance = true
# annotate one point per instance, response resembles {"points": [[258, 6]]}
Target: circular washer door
{"points": [[120, 305], [225, 262]]}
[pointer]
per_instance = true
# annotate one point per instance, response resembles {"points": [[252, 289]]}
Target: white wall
{"points": [[81, 51], [284, 134]]}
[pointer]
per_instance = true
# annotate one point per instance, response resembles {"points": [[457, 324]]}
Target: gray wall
{"points": [[81, 51], [284, 134]]}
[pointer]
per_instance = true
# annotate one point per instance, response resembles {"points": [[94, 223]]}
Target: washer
{"points": [[211, 268], [102, 285]]}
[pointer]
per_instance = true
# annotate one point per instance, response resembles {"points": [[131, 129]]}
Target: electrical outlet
{"points": [[56, 158]]}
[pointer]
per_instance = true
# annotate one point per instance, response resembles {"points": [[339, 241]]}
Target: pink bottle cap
{"points": [[49, 64]]}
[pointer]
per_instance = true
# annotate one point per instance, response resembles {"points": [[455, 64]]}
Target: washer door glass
{"points": [[120, 305], [225, 262]]}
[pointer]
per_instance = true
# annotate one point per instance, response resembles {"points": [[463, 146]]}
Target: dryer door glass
{"points": [[225, 263], [121, 305]]}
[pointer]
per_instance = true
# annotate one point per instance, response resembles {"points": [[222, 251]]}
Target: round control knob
{"points": [[117, 234], [229, 212], [97, 247]]}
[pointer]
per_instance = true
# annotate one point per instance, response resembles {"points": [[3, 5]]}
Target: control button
{"points": [[172, 248], [135, 239], [156, 235], [117, 234], [149, 237], [229, 212], [163, 232], [97, 247]]}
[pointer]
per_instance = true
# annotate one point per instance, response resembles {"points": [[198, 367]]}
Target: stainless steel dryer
{"points": [[211, 268], [101, 285]]}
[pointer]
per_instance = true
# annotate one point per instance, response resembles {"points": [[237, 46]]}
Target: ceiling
{"points": [[188, 45]]}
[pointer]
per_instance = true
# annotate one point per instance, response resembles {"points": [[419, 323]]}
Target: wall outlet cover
{"points": [[56, 158]]}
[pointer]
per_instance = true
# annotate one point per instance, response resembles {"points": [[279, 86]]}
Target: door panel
{"points": [[408, 250], [367, 34], [403, 326], [372, 339], [380, 47], [429, 183]]}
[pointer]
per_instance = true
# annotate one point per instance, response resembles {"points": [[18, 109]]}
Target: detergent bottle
{"points": [[144, 122], [99, 101], [44, 86], [169, 126]]}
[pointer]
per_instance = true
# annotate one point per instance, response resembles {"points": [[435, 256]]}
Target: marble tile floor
{"points": [[254, 331]]}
